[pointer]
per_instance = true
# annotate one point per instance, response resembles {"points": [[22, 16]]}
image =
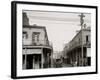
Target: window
{"points": [[35, 37], [25, 35]]}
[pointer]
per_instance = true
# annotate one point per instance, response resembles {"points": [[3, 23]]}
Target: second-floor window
{"points": [[25, 35], [35, 37]]}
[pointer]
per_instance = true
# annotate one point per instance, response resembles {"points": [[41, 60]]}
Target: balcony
{"points": [[40, 43], [73, 45]]}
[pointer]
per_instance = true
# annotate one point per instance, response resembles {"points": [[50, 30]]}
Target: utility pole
{"points": [[25, 58], [82, 24]]}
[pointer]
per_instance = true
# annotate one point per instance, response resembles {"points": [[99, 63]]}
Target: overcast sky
{"points": [[61, 27]]}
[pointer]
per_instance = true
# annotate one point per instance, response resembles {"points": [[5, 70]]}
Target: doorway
{"points": [[36, 61], [33, 61]]}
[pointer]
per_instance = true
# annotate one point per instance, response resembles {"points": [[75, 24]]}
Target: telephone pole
{"points": [[82, 24]]}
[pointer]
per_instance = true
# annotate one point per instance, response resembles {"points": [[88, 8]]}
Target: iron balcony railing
{"points": [[37, 43]]}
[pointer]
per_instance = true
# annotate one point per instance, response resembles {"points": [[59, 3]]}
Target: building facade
{"points": [[36, 48], [37, 51], [73, 49]]}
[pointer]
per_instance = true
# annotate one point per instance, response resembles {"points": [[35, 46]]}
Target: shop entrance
{"points": [[33, 61]]}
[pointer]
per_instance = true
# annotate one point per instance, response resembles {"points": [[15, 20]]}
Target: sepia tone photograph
{"points": [[52, 39]]}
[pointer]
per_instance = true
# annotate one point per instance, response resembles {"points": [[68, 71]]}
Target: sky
{"points": [[61, 26]]}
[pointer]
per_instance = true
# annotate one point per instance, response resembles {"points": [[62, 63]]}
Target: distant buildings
{"points": [[73, 49], [57, 59], [37, 51]]}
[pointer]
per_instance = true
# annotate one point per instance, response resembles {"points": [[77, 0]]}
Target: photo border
{"points": [[14, 38]]}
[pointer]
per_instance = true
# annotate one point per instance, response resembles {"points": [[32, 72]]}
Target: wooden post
{"points": [[52, 59], [25, 58], [42, 58]]}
